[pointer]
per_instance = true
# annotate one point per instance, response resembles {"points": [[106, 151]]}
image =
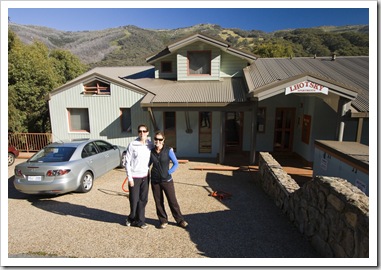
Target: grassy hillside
{"points": [[131, 45]]}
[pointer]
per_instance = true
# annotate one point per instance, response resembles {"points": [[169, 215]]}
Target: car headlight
{"points": [[57, 172]]}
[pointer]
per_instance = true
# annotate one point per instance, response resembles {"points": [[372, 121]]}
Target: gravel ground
{"points": [[75, 225]]}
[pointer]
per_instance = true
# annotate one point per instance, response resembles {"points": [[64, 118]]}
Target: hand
{"points": [[130, 183]]}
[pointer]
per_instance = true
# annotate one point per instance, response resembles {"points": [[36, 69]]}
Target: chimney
{"points": [[333, 57]]}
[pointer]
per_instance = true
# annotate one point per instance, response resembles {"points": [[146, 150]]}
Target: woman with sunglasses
{"points": [[162, 181], [137, 168]]}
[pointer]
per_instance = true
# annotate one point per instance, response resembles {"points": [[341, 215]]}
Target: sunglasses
{"points": [[141, 131], [157, 139]]}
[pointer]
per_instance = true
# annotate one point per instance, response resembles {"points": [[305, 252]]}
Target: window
{"points": [[89, 150], [166, 66], [96, 88], [103, 146], [79, 119], [125, 119], [261, 120], [205, 135], [199, 62]]}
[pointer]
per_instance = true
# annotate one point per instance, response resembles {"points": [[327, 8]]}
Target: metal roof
{"points": [[192, 93], [223, 45], [348, 72], [111, 74]]}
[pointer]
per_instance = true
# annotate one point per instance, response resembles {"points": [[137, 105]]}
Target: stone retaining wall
{"points": [[331, 212]]}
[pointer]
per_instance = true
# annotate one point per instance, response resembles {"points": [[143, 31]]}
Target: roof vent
{"points": [[333, 57]]}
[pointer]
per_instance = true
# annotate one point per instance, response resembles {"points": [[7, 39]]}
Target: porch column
{"points": [[222, 138], [359, 129], [253, 140], [341, 111]]}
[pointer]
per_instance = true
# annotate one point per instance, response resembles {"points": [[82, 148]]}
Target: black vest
{"points": [[160, 165]]}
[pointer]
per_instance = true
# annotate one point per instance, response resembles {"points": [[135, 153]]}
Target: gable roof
{"points": [[110, 74], [224, 46], [350, 75]]}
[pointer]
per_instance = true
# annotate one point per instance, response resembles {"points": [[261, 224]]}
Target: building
{"points": [[347, 160], [212, 100]]}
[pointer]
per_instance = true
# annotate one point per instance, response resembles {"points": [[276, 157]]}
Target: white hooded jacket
{"points": [[137, 159]]}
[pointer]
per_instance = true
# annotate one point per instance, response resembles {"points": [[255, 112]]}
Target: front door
{"points": [[233, 131], [284, 129]]}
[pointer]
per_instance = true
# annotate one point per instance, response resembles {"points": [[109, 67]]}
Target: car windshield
{"points": [[53, 154]]}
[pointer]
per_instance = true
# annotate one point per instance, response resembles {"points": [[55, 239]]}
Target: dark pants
{"points": [[138, 200], [167, 188]]}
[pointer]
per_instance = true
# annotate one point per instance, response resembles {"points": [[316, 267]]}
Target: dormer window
{"points": [[199, 62], [166, 67], [96, 88]]}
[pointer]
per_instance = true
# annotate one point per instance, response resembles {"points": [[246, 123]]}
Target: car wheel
{"points": [[11, 159], [86, 183]]}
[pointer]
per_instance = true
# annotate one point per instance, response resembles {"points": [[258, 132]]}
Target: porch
{"points": [[298, 168]]}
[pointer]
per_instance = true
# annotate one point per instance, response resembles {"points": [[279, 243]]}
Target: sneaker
{"points": [[183, 224], [163, 225], [144, 226], [128, 222]]}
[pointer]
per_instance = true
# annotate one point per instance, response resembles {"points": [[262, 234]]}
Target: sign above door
{"points": [[306, 87]]}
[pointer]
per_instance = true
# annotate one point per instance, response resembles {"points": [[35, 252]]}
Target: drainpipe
{"points": [[153, 120], [187, 122]]}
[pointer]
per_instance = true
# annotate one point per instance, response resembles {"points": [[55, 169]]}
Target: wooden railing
{"points": [[29, 142]]}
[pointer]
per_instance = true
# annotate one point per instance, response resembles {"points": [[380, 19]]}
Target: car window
{"points": [[53, 154], [89, 150], [103, 146]]}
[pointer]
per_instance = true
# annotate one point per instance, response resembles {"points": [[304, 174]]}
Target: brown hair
{"points": [[142, 125], [159, 132]]}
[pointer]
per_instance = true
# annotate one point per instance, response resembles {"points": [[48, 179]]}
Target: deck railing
{"points": [[29, 142]]}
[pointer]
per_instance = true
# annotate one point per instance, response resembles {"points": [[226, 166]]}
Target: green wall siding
{"points": [[104, 112]]}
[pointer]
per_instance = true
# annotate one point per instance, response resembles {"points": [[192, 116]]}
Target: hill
{"points": [[131, 45]]}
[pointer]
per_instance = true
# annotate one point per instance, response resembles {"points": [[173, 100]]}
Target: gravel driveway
{"points": [[75, 225]]}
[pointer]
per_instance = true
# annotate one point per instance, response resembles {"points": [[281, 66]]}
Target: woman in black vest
{"points": [[162, 182]]}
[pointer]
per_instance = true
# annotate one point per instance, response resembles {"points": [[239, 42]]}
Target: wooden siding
{"points": [[231, 66], [173, 74], [104, 113]]}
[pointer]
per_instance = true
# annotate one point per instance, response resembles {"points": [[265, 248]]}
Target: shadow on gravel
{"points": [[68, 209], [13, 193], [253, 227]]}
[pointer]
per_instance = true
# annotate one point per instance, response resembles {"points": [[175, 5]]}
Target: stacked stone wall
{"points": [[331, 212]]}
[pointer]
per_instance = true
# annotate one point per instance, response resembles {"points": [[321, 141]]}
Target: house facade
{"points": [[212, 100]]}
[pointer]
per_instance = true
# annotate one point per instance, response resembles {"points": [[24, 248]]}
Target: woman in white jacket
{"points": [[137, 161]]}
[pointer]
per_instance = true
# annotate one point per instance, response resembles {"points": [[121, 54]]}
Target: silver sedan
{"points": [[64, 167]]}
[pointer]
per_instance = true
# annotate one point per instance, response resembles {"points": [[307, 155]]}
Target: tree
{"points": [[32, 74]]}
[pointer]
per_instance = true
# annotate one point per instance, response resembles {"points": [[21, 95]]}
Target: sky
{"points": [[242, 16]]}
